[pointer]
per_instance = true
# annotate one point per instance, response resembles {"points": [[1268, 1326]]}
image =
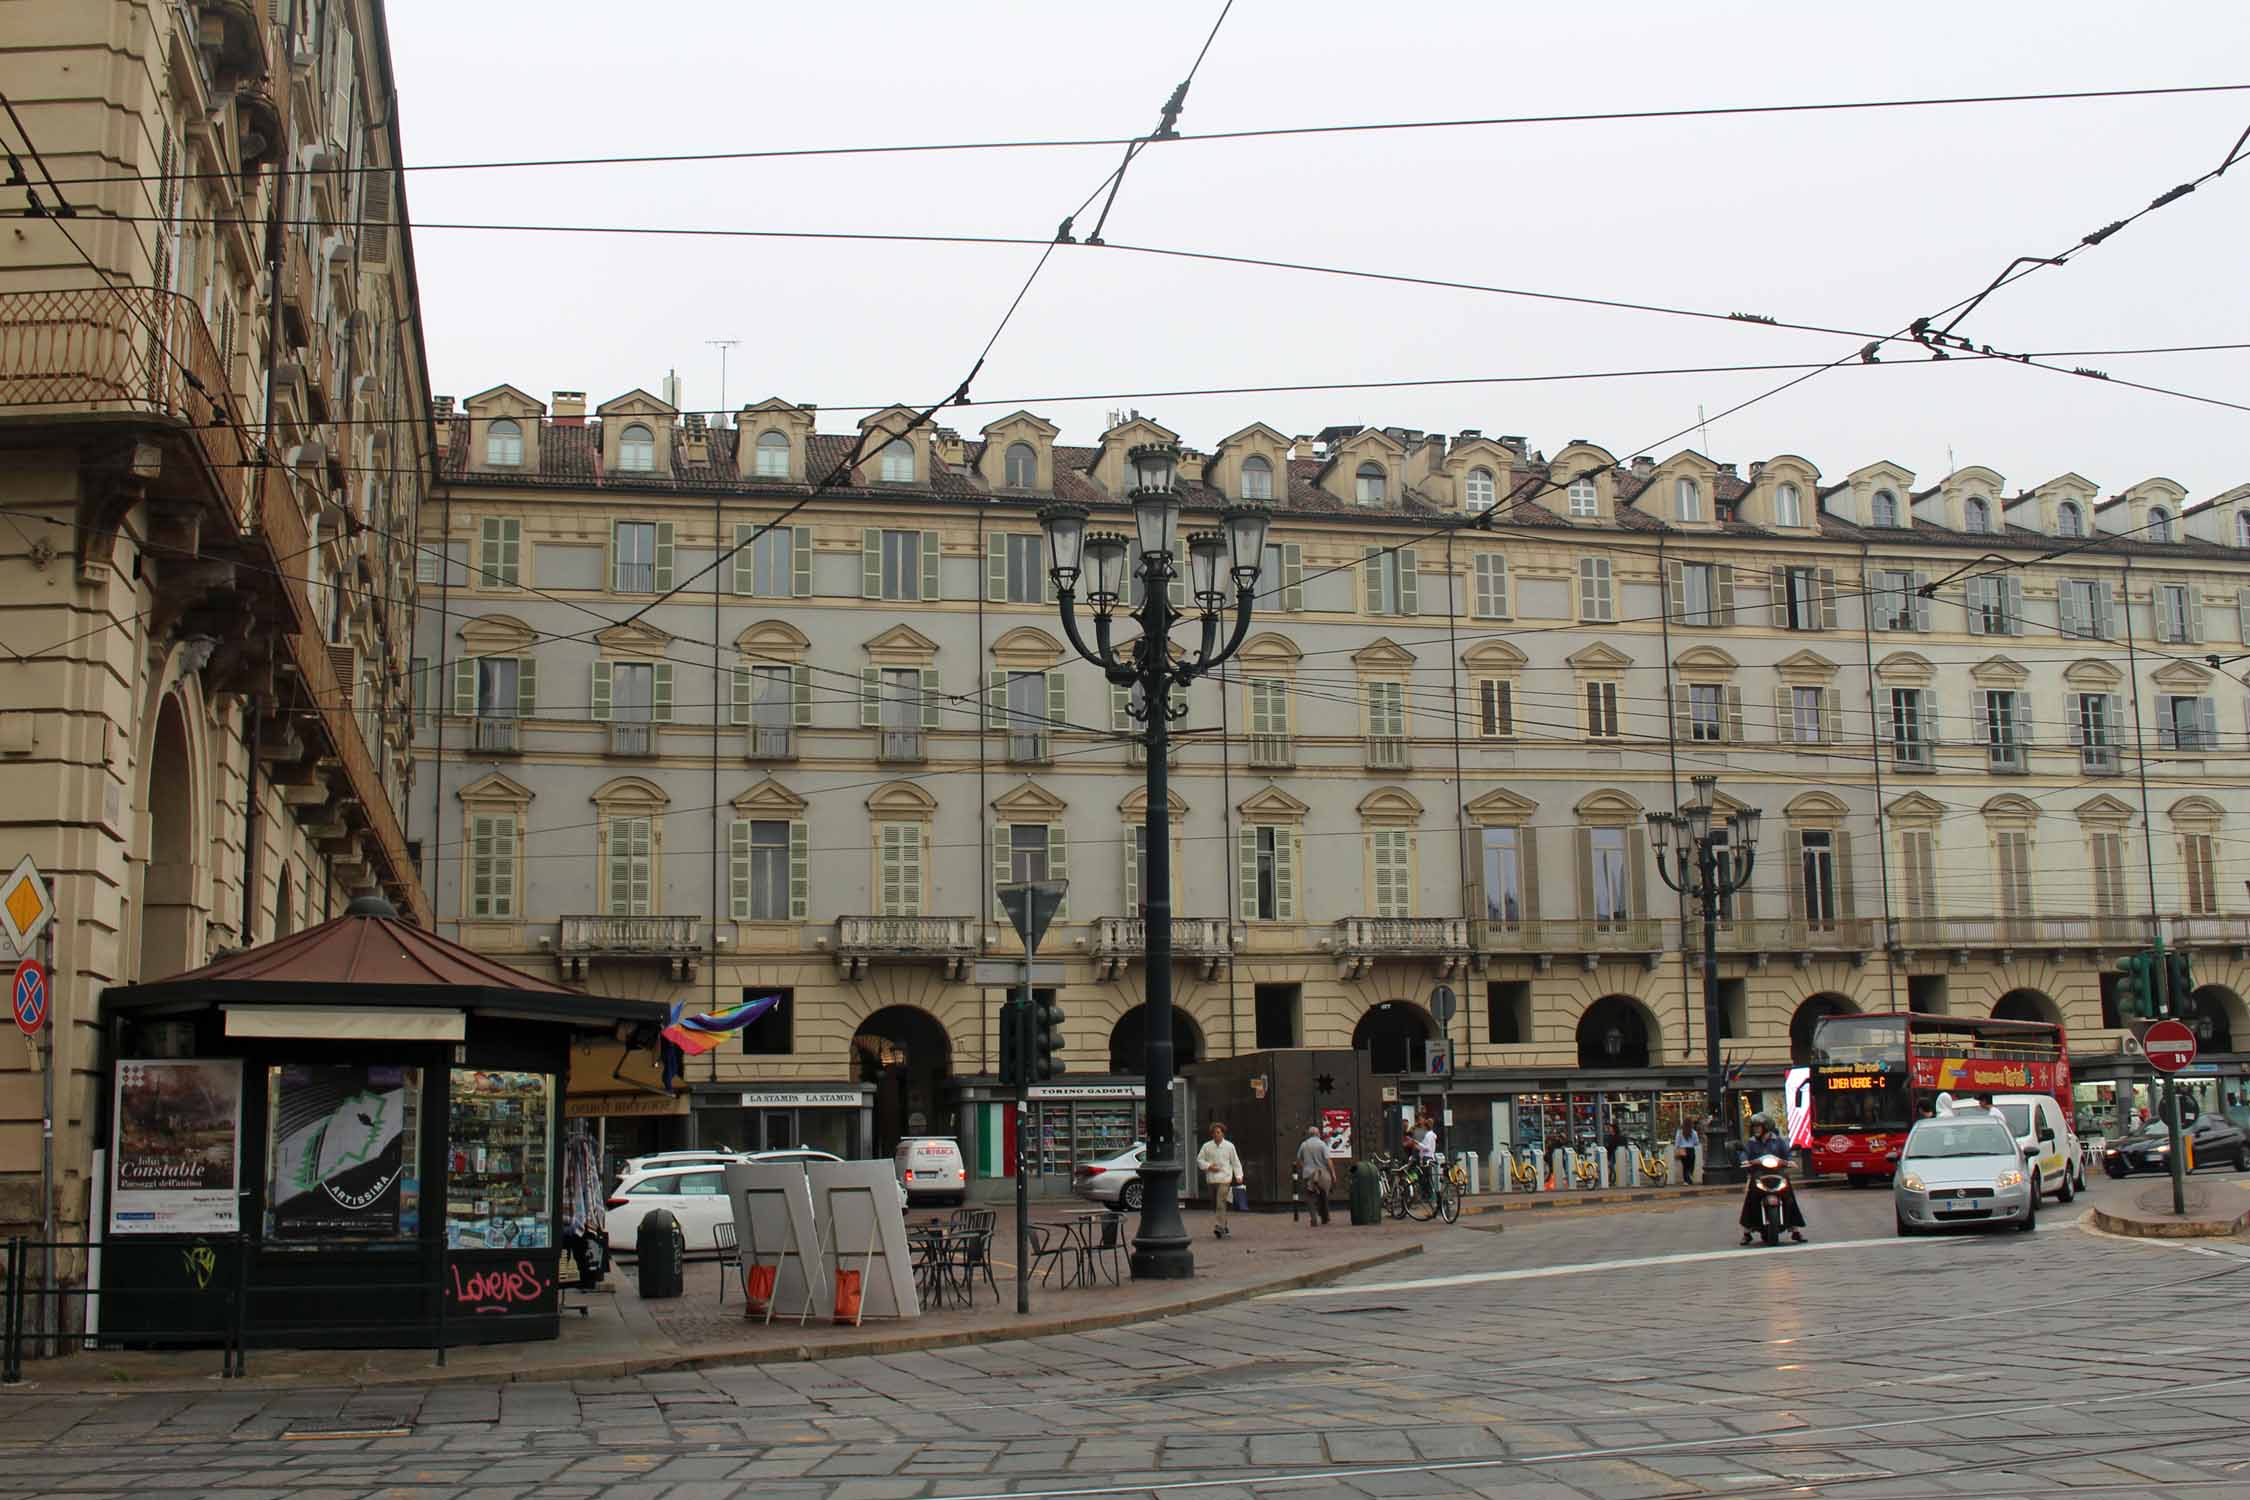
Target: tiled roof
{"points": [[571, 455]]}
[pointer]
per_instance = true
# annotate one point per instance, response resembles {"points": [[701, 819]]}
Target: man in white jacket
{"points": [[1221, 1166]]}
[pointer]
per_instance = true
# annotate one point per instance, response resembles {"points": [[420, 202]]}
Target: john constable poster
{"points": [[179, 1147]]}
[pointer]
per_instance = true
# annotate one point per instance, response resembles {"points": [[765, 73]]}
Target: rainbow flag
{"points": [[685, 1036]]}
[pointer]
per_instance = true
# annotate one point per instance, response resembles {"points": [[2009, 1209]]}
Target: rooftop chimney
{"points": [[569, 408], [441, 408], [949, 449], [1643, 465], [1192, 466], [695, 438]]}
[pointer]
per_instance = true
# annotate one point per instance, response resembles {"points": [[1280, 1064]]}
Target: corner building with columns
{"points": [[692, 728]]}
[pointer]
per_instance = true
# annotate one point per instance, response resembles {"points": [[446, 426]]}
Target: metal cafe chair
{"points": [[730, 1256], [1106, 1242]]}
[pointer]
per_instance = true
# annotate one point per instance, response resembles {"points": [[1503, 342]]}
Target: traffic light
{"points": [[1047, 1041], [2136, 985], [1013, 1015], [2179, 982]]}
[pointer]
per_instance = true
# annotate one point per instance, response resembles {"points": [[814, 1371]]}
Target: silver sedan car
{"points": [[1962, 1170]]}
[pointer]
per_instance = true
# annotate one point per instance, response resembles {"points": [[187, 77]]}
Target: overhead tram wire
{"points": [[1276, 132]]}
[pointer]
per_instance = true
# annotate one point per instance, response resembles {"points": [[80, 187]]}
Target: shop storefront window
{"points": [[342, 1147], [498, 1191]]}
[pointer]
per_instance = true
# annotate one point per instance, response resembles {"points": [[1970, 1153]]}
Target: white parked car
{"points": [[1115, 1181], [1962, 1169], [718, 1155], [2044, 1132], [694, 1193]]}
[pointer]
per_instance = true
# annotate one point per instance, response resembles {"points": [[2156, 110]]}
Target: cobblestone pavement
{"points": [[1620, 1354]]}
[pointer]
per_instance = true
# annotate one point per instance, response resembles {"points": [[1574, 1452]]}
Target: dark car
{"points": [[2217, 1142]]}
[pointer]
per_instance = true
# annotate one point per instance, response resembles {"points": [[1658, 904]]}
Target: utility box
{"points": [[1265, 1099]]}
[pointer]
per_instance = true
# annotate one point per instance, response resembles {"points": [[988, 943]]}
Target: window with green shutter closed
{"points": [[898, 861], [499, 552], [632, 861], [1392, 860]]}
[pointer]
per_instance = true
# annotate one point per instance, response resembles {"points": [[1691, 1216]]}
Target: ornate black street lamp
{"points": [[1106, 561], [1710, 865]]}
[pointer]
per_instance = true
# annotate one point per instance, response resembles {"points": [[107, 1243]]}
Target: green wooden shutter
{"points": [[1586, 913], [738, 868], [871, 563], [800, 561], [501, 552], [527, 686], [913, 843], [1683, 715], [800, 695], [1246, 873], [745, 574], [800, 866], [1371, 580], [743, 679], [1734, 715], [616, 565], [929, 697], [661, 692], [1002, 833], [1841, 843], [1527, 861], [601, 690], [995, 699], [465, 687], [931, 587], [1058, 699], [1722, 592], [1133, 842], [870, 697], [1827, 598], [1675, 590], [1285, 874], [1293, 577], [1409, 586], [663, 556], [1784, 714], [1831, 716], [1058, 865], [996, 568], [1918, 606], [1120, 711]]}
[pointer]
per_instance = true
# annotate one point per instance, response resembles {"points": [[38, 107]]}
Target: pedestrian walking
{"points": [[1685, 1143], [1221, 1166], [1316, 1170]]}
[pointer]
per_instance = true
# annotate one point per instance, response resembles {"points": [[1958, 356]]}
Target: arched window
{"points": [[1687, 500], [1021, 468], [1257, 478], [503, 444], [1975, 514], [1788, 506], [636, 449], [773, 456], [2067, 520], [2159, 524], [1585, 500], [898, 462], [1885, 509], [1480, 489], [1370, 484]]}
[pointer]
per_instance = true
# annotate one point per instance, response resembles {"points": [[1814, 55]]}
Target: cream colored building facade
{"points": [[217, 450], [670, 768]]}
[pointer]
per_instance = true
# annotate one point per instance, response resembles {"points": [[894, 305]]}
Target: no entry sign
{"points": [[29, 996], [2170, 1046]]}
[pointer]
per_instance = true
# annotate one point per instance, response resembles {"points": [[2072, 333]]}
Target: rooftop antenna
{"points": [[722, 345], [1701, 423]]}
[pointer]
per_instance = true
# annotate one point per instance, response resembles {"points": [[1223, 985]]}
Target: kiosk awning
{"points": [[357, 1023]]}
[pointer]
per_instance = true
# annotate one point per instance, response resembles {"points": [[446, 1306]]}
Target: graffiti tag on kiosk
{"points": [[201, 1260], [502, 1289]]}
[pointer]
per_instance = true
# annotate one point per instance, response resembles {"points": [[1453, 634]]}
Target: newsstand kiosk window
{"points": [[499, 1190], [343, 1144]]}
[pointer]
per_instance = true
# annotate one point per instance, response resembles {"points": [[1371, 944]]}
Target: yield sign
{"points": [[25, 907]]}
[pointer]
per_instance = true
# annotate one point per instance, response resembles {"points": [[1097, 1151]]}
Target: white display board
{"points": [[863, 1228], [774, 1225]]}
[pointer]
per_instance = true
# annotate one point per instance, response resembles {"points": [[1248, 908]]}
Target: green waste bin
{"points": [[1367, 1194]]}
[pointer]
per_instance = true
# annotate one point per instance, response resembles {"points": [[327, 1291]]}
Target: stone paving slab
{"points": [[644, 1345]]}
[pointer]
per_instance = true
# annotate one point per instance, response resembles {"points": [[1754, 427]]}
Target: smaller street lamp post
{"points": [[1104, 562], [1710, 868]]}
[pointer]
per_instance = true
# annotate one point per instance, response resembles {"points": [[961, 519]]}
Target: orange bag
{"points": [[847, 1295], [757, 1287]]}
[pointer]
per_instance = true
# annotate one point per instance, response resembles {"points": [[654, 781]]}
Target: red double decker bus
{"points": [[1871, 1075]]}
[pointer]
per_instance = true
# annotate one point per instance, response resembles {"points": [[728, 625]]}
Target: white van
{"points": [[2049, 1143], [930, 1168]]}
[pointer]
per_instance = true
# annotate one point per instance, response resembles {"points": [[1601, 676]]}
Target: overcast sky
{"points": [[1857, 220]]}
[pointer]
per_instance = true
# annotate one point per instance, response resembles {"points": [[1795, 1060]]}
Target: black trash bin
{"points": [[661, 1252]]}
